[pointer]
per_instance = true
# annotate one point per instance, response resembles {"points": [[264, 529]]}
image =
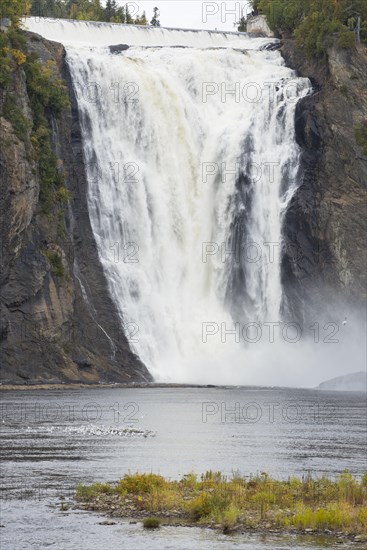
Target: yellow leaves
{"points": [[19, 56]]}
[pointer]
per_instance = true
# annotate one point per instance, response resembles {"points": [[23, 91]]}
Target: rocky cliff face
{"points": [[58, 323], [325, 227]]}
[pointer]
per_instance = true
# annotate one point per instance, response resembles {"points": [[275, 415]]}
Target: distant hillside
{"points": [[356, 381]]}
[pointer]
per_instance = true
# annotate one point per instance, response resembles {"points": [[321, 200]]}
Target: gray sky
{"points": [[192, 14]]}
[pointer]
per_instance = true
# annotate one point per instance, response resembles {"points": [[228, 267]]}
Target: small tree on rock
{"points": [[242, 24], [155, 21]]}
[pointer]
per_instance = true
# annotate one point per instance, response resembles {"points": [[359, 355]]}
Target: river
{"points": [[52, 440]]}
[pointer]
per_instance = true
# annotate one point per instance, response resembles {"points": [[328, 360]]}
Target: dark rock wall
{"points": [[54, 328], [324, 268]]}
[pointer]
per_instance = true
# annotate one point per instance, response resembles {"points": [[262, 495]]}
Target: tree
{"points": [[38, 8], [128, 16], [120, 16], [14, 10], [110, 10], [142, 20], [155, 21], [242, 24]]}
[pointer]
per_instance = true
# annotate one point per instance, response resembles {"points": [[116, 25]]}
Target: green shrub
{"points": [[209, 505], [189, 480], [56, 263], [360, 133], [6, 67], [230, 517], [140, 483], [86, 493], [50, 176], [281, 14], [48, 96], [45, 89], [334, 516], [315, 34], [347, 39], [264, 499], [211, 478], [21, 125], [364, 31], [63, 194], [151, 523]]}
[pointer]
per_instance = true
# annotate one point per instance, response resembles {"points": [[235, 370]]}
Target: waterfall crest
{"points": [[94, 33]]}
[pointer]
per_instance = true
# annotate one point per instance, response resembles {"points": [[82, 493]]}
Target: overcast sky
{"points": [[192, 14]]}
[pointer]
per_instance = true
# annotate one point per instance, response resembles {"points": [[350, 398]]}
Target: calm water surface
{"points": [[52, 440]]}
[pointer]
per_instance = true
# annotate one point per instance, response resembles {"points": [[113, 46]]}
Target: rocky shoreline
{"points": [[258, 505], [114, 508], [79, 385]]}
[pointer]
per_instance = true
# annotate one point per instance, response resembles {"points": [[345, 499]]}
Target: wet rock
{"points": [[118, 48]]}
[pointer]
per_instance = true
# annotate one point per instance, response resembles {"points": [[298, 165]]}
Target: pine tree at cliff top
{"points": [[155, 21]]}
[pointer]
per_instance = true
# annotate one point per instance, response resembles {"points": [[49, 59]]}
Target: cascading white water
{"points": [[181, 173]]}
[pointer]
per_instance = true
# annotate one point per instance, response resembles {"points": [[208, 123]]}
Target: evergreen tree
{"points": [[110, 10], [120, 16], [129, 19], [242, 24], [38, 8], [155, 21]]}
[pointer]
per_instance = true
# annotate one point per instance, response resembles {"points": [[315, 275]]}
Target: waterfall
{"points": [[191, 162]]}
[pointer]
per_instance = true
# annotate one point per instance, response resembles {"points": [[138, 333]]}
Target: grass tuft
{"points": [[151, 523]]}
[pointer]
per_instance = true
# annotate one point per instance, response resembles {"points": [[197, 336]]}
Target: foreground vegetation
{"points": [[317, 24], [259, 503]]}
